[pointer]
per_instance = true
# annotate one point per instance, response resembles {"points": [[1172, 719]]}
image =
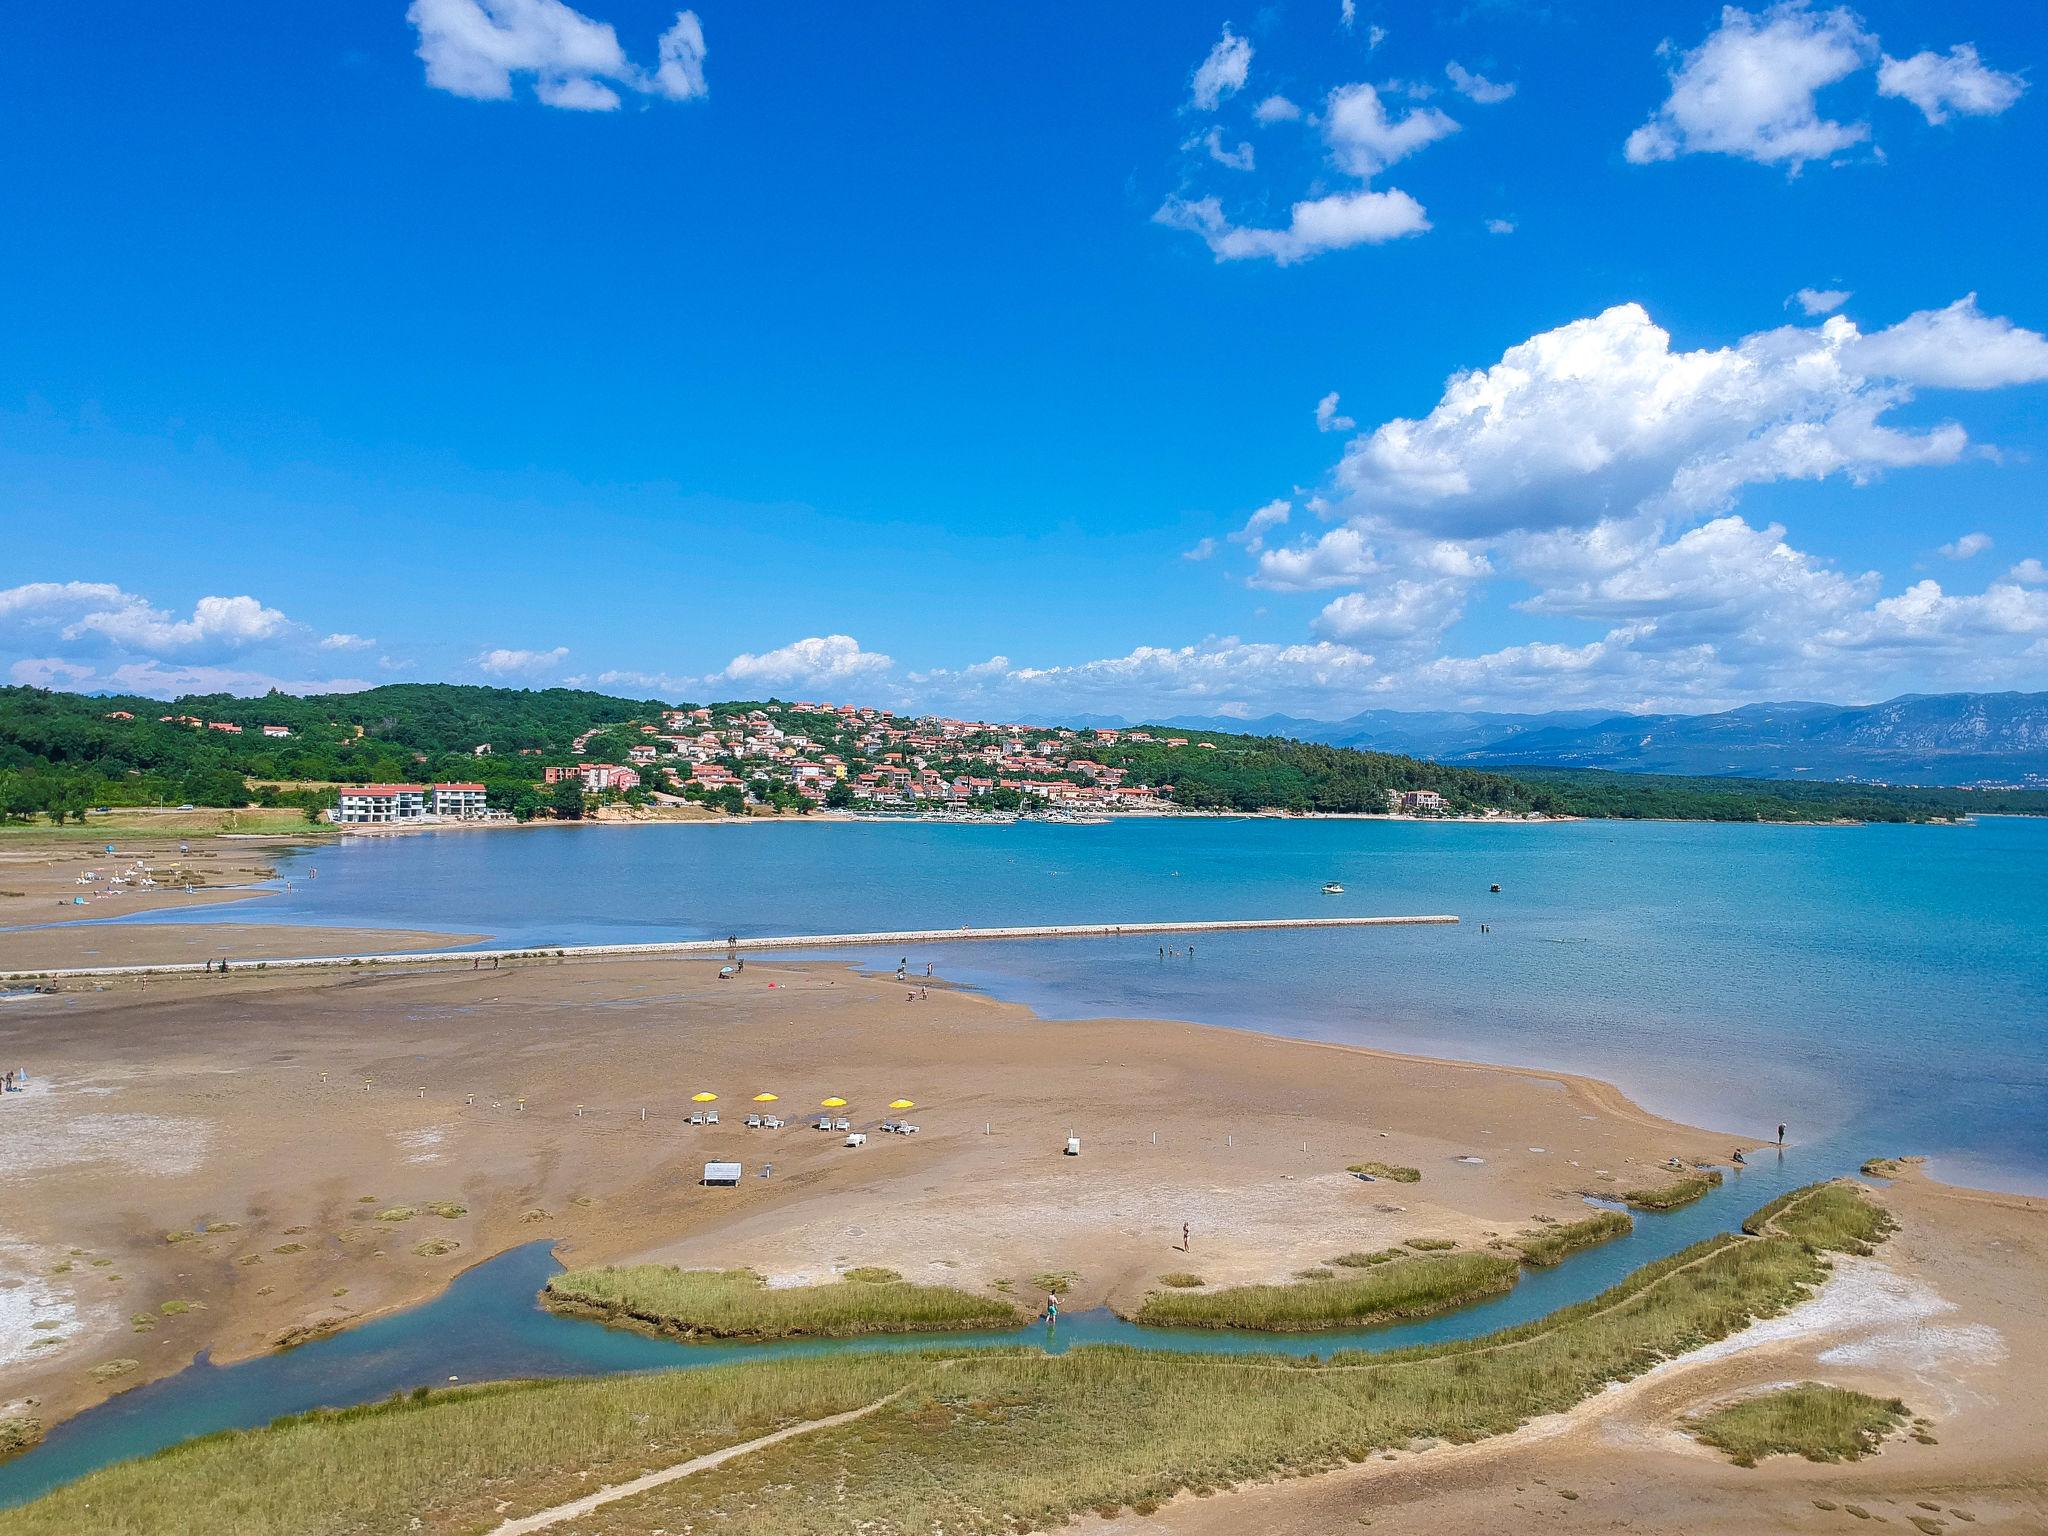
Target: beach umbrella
{"points": [[832, 1103], [764, 1098], [702, 1098], [901, 1104]]}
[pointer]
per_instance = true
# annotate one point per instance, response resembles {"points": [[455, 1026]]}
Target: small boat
{"points": [[1332, 888]]}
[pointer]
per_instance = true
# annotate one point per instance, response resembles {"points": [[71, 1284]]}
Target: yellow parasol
{"points": [[764, 1098], [832, 1103], [901, 1104], [702, 1098]]}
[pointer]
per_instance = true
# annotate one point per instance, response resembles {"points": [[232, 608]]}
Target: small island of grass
{"points": [[1389, 1292], [1819, 1422], [1390, 1171], [1826, 1217], [1669, 1197], [738, 1304], [1552, 1244]]}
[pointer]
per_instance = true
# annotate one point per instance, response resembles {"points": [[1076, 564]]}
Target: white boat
{"points": [[1332, 888]]}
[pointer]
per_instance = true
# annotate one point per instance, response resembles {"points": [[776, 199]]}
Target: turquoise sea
{"points": [[1880, 989]]}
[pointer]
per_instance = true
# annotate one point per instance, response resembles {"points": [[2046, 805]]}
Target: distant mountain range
{"points": [[1931, 739]]}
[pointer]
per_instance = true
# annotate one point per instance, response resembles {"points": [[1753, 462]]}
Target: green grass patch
{"points": [[1829, 1218], [1669, 1197], [1819, 1422], [112, 1370], [1055, 1282], [870, 1274], [1400, 1289], [398, 1213], [448, 1210], [18, 1431], [435, 1247], [1361, 1260], [1182, 1280], [736, 1304], [178, 1308], [1552, 1244], [1391, 1171], [1429, 1244], [980, 1442]]}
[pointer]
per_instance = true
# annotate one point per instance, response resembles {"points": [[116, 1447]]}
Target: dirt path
{"points": [[583, 1506]]}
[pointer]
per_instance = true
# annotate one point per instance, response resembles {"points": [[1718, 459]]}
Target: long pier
{"points": [[707, 948]]}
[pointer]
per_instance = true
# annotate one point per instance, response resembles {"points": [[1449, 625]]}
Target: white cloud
{"points": [[1223, 73], [102, 613], [1327, 419], [474, 48], [680, 74], [509, 662], [1820, 301], [1959, 347], [1968, 547], [1238, 159], [1216, 675], [1272, 515], [1476, 87], [347, 642], [161, 680], [1331, 223], [1364, 139], [1404, 611], [1958, 81], [2029, 572], [1600, 419], [1339, 558], [817, 659], [1347, 14], [1749, 89], [1276, 109], [1500, 226], [1204, 549]]}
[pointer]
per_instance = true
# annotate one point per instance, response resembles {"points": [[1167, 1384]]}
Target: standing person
{"points": [[1052, 1308], [1183, 1237], [1781, 1135]]}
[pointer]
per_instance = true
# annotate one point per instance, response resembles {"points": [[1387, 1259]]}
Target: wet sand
{"points": [[180, 1144]]}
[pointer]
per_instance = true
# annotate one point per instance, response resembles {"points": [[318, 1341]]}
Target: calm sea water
{"points": [[1881, 989]]}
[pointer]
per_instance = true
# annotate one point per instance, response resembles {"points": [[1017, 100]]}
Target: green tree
{"points": [[567, 800]]}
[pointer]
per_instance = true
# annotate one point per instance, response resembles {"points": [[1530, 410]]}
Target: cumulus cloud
{"points": [[511, 662], [103, 614], [1968, 547], [347, 642], [163, 680], [1276, 109], [1273, 514], [1223, 73], [1476, 87], [1339, 558], [1820, 301], [1327, 419], [815, 660], [1749, 89], [1601, 418], [1365, 138], [1500, 226], [1332, 223], [1404, 612], [1347, 14], [1942, 84], [474, 48], [1203, 550], [2030, 572]]}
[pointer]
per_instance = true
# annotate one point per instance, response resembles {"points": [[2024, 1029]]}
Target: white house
{"points": [[379, 802]]}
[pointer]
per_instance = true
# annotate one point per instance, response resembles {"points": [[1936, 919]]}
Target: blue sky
{"points": [[970, 358]]}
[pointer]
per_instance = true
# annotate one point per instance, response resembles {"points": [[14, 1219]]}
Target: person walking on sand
{"points": [[1183, 1237]]}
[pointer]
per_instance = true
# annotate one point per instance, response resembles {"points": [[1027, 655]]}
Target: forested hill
{"points": [[63, 753]]}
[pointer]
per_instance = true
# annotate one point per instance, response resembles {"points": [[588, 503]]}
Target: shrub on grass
{"points": [[1819, 1422]]}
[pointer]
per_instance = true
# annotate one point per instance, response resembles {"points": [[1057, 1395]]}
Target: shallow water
{"points": [[487, 1327], [1885, 987]]}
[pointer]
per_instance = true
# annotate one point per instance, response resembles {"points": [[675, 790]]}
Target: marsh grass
{"points": [[1554, 1243], [1392, 1171], [1429, 1244], [1359, 1260], [1829, 1218], [736, 1304], [870, 1274], [981, 1442], [1669, 1197], [1182, 1280], [1402, 1288], [1819, 1422]]}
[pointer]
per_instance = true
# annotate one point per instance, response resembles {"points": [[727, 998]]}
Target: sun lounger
{"points": [[842, 1125], [857, 1139], [711, 1117], [906, 1130], [696, 1119], [824, 1122], [754, 1121]]}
